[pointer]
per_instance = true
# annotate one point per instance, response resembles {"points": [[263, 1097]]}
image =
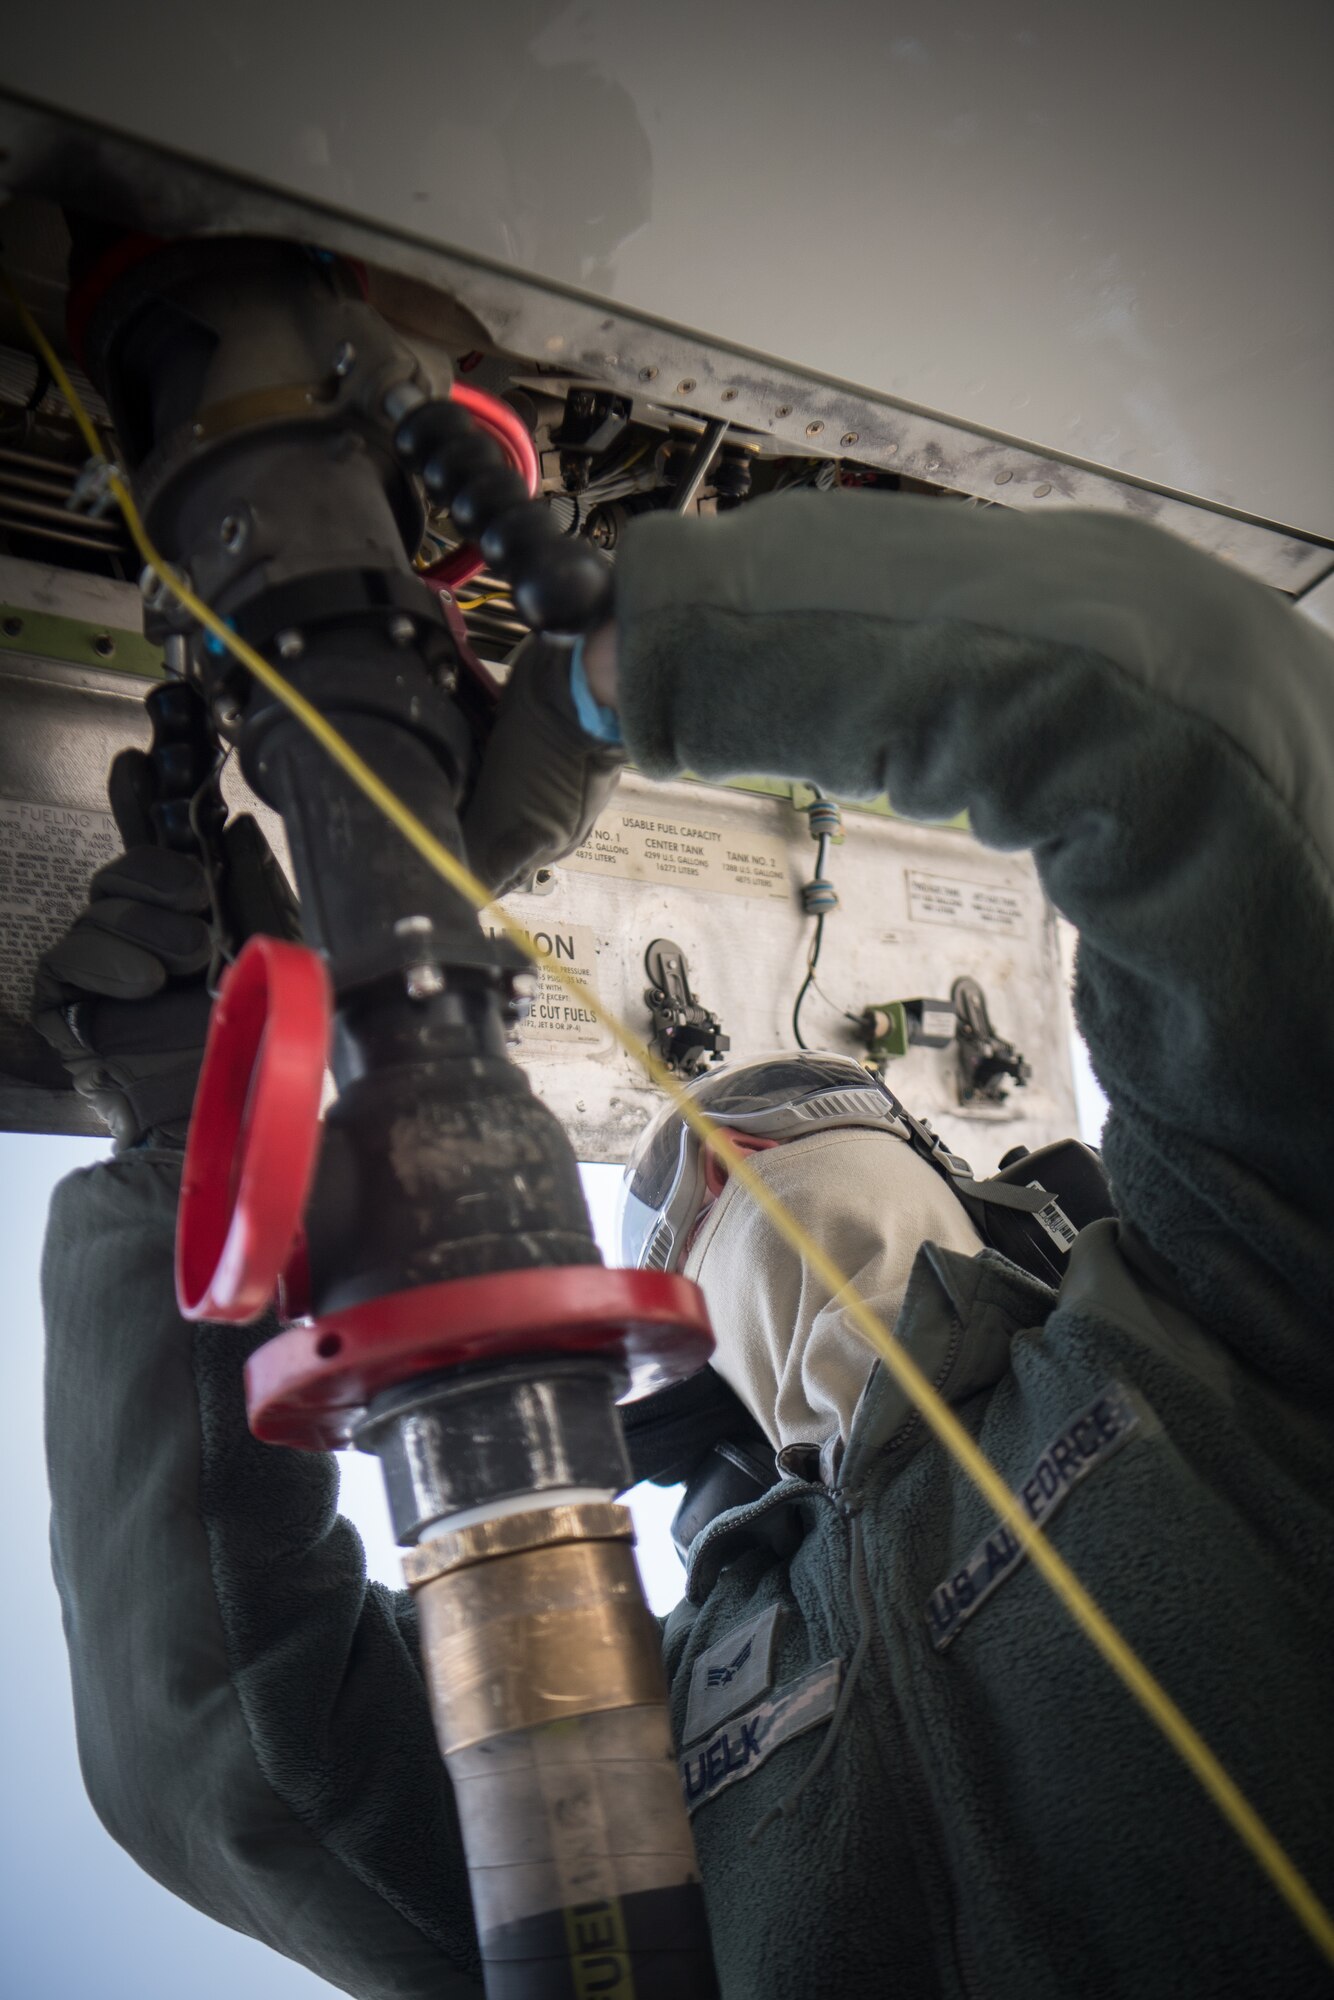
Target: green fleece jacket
{"points": [[987, 1814]]}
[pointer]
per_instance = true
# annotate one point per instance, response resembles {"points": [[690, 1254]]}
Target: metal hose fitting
{"points": [[544, 1670]]}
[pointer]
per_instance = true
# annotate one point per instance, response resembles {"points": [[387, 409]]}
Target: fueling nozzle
{"points": [[460, 1322]]}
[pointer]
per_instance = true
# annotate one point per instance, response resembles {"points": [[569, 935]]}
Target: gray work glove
{"points": [[542, 781], [123, 997]]}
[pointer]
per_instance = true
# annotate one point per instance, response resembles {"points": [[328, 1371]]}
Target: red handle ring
{"points": [[254, 1133]]}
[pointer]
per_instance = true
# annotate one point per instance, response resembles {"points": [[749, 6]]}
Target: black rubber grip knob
{"points": [[484, 498], [569, 590], [519, 537], [430, 429], [447, 472], [188, 810]]}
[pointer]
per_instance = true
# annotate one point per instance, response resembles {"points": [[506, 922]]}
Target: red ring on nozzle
{"points": [[254, 1132], [309, 1386]]}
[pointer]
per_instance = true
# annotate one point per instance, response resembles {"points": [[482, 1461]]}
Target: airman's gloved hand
{"points": [[543, 780], [123, 997]]}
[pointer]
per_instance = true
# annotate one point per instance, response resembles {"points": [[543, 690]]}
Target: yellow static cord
{"points": [[1118, 1653]]}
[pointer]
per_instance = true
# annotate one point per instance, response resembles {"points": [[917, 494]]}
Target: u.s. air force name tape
{"points": [[738, 1749], [1085, 1442]]}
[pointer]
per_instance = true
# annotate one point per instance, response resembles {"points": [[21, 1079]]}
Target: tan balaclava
{"points": [[790, 1354]]}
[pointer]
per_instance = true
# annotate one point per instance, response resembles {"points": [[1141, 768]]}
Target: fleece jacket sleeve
{"points": [[1157, 728], [252, 1721]]}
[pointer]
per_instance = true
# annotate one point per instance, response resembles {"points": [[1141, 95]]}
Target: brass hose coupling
{"points": [[544, 1669]]}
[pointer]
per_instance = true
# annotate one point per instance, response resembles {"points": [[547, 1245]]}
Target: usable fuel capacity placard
{"points": [[679, 853]]}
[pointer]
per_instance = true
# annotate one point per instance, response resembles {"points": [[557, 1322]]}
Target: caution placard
{"points": [[556, 1021]]}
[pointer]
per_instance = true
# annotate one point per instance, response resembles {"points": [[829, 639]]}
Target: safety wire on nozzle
{"points": [[1119, 1655]]}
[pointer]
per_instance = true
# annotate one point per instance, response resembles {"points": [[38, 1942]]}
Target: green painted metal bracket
{"points": [[894, 1039], [50, 637]]}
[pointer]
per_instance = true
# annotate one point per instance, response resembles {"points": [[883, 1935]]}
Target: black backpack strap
{"points": [[1033, 1225]]}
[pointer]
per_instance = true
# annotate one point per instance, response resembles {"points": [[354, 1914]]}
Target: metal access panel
{"points": [[717, 870]]}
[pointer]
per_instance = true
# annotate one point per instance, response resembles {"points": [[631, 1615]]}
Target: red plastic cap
{"points": [[254, 1132]]}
